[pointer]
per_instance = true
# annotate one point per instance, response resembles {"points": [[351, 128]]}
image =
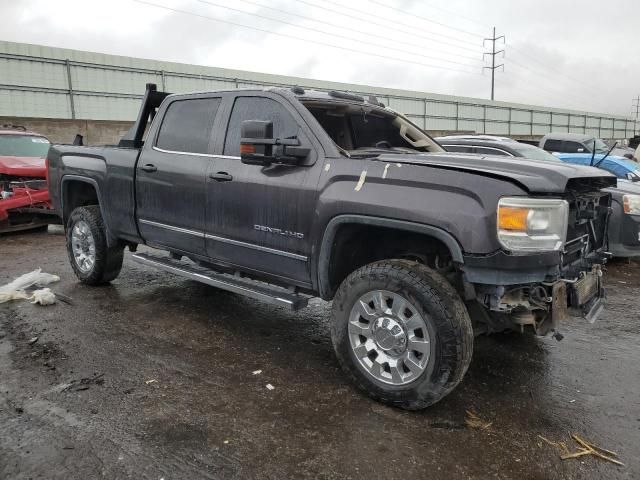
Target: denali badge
{"points": [[278, 231]]}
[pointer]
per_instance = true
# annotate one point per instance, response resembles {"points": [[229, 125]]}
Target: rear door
{"points": [[258, 217], [171, 175]]}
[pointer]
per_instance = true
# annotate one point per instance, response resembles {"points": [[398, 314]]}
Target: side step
{"points": [[262, 291]]}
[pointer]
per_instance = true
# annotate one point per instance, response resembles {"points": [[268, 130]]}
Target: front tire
{"points": [[92, 260], [401, 333]]}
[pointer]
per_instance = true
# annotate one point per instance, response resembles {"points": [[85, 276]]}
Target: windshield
{"points": [[600, 146], [364, 130], [23, 146], [634, 176], [535, 153]]}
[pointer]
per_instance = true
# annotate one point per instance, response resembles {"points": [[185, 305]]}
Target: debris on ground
{"points": [[33, 340], [63, 298], [585, 448], [44, 296], [149, 382], [84, 383], [256, 372], [270, 387], [474, 421], [17, 289]]}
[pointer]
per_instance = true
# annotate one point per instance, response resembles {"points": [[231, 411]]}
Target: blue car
{"points": [[619, 166]]}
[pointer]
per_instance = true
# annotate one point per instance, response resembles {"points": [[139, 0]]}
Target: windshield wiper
{"points": [[606, 154], [343, 151]]}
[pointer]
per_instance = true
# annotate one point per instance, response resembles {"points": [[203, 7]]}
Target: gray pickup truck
{"points": [[285, 194]]}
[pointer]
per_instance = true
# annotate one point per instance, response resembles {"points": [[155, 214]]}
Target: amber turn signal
{"points": [[247, 148], [512, 218]]}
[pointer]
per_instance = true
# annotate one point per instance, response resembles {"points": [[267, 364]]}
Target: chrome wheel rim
{"points": [[389, 338], [83, 246]]}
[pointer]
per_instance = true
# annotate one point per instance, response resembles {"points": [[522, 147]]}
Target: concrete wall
{"points": [[40, 81], [58, 130]]}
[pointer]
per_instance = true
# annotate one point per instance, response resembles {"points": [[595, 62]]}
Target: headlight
{"points": [[533, 224], [631, 204]]}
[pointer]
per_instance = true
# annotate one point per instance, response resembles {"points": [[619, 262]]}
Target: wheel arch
{"points": [[327, 286], [78, 191]]}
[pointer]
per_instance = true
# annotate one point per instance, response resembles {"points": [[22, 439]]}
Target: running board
{"points": [[262, 291]]}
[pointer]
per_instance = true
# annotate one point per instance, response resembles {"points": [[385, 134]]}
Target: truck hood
{"points": [[535, 176], [23, 166]]}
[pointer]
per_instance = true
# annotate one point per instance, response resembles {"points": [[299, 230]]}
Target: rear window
{"points": [[187, 125], [23, 146], [551, 145], [535, 153], [457, 148], [574, 147], [491, 151]]}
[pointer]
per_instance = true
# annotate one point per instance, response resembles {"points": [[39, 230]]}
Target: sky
{"points": [[559, 53]]}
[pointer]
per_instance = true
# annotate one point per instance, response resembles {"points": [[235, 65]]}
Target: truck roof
{"points": [[578, 137], [302, 94]]}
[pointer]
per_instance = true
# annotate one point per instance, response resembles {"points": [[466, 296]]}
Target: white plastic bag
{"points": [[43, 296], [16, 289]]}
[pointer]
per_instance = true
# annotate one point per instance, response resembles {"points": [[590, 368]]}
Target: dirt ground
{"points": [[152, 377]]}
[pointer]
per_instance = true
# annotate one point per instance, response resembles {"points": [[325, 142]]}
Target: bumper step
{"points": [[262, 291]]}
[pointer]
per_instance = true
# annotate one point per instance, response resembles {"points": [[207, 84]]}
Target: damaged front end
{"points": [[24, 204], [573, 286]]}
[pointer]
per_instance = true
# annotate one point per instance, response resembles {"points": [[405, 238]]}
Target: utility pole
{"points": [[637, 106], [493, 54]]}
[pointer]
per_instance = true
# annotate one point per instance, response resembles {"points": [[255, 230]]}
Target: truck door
{"points": [[171, 176], [259, 218]]}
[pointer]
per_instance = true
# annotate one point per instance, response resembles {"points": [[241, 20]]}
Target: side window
{"points": [[491, 151], [457, 148], [257, 108], [573, 147], [187, 124], [551, 145]]}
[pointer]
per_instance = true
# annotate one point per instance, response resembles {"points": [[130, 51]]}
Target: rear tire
{"points": [[93, 262], [401, 333]]}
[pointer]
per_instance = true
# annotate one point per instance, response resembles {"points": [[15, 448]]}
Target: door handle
{"points": [[149, 168], [221, 177]]}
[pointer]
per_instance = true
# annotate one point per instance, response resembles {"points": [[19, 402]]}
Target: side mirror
{"points": [[258, 147]]}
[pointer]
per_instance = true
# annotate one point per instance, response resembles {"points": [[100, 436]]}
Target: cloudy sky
{"points": [[562, 53]]}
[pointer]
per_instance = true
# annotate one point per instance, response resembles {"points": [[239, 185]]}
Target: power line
{"points": [[457, 14], [426, 19], [387, 25], [493, 54], [295, 37], [363, 32], [324, 32], [341, 27]]}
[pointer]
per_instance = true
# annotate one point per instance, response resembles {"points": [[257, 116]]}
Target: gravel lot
{"points": [[169, 390]]}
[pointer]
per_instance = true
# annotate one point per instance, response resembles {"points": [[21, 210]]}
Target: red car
{"points": [[24, 197]]}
